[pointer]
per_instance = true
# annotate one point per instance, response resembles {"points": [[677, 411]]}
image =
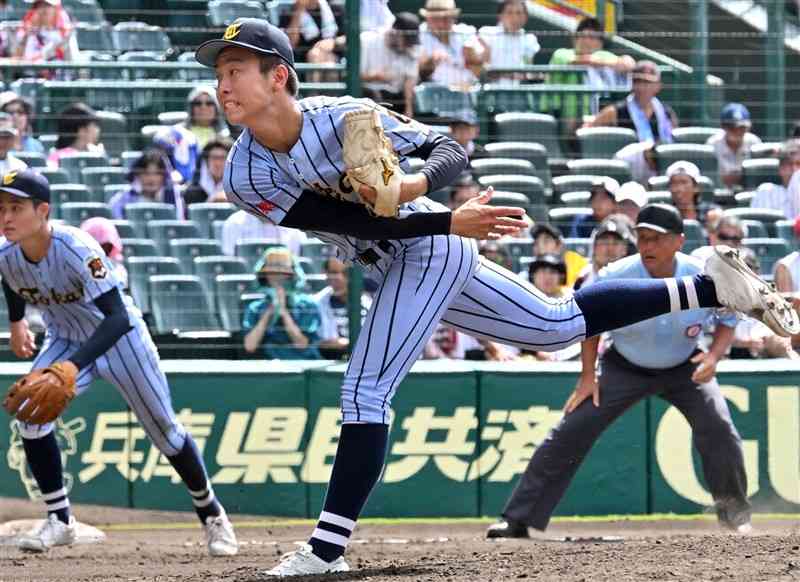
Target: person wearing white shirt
{"points": [[389, 69], [451, 54], [334, 330], [641, 157], [509, 44], [732, 144], [242, 226], [785, 196], [375, 15], [8, 162]]}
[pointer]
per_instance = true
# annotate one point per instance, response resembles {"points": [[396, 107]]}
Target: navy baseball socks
{"points": [[44, 461], [356, 470], [189, 465], [615, 303]]}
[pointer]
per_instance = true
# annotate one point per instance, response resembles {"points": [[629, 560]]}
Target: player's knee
{"points": [[169, 437]]}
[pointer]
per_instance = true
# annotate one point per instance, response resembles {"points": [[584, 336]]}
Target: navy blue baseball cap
{"points": [[254, 34], [26, 184], [663, 218], [735, 115]]}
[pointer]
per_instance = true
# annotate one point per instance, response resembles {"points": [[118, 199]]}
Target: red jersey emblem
{"points": [[265, 206]]}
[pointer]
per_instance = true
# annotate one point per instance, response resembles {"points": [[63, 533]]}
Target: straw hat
{"points": [[277, 260], [440, 8]]}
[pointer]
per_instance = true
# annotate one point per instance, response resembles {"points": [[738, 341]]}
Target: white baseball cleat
{"points": [[220, 538], [740, 289], [51, 532], [303, 562]]}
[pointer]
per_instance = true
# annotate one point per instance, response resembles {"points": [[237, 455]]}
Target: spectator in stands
{"points": [[642, 111], [685, 190], [631, 198], [605, 69], [389, 68], [641, 157], [611, 241], [465, 188], [732, 145], [242, 226], [375, 15], [726, 230], [334, 331], [492, 251], [509, 45], [180, 146], [21, 112], [786, 195], [309, 22], [105, 233], [78, 130], [206, 184], [547, 239], [150, 181], [205, 118], [603, 202], [46, 34], [548, 273], [286, 323], [451, 54], [464, 129], [8, 133]]}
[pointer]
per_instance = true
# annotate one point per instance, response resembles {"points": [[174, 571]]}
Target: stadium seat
{"points": [[178, 304], [193, 74], [223, 12], [95, 37], [693, 231], [435, 99], [187, 249], [138, 247], [140, 213], [516, 249], [564, 217], [563, 184], [205, 213], [229, 289], [33, 159], [87, 11], [110, 190], [694, 135], [73, 164], [503, 198], [124, 228], [54, 175], [75, 213], [317, 250], [759, 170], [128, 157], [577, 198], [252, 250], [316, 283], [582, 246], [744, 198], [617, 169], [534, 153], [61, 193], [97, 178], [307, 266], [769, 251], [172, 117], [208, 268], [660, 196], [785, 229], [493, 166], [767, 216], [754, 228], [702, 156], [767, 149], [48, 140], [163, 232], [140, 36], [538, 127], [216, 229], [140, 269], [531, 186], [140, 74], [604, 142]]}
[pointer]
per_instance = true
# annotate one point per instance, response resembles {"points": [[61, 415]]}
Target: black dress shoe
{"points": [[507, 529]]}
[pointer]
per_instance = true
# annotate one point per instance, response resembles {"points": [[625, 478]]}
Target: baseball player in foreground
{"points": [[329, 166], [93, 330]]}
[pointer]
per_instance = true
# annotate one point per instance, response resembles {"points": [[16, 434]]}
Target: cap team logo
{"points": [[97, 268], [10, 177], [232, 31]]}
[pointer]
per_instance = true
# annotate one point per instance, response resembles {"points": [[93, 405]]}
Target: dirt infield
{"points": [[165, 547]]}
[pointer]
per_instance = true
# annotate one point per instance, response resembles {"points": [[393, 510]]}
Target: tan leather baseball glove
{"points": [[42, 395]]}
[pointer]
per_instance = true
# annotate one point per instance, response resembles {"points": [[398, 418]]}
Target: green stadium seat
{"points": [[75, 213], [188, 249], [178, 304], [73, 164], [516, 249], [223, 12], [87, 11], [604, 142], [617, 169], [439, 100], [744, 198], [501, 98], [140, 213], [54, 175], [759, 170], [62, 193], [95, 37], [582, 246], [208, 268], [172, 117], [660, 196], [785, 229], [124, 228], [110, 190], [308, 266], [564, 217], [252, 250], [48, 140], [769, 251], [694, 135], [97, 178], [766, 216], [128, 157], [693, 231], [138, 247], [577, 198], [205, 213], [538, 127], [494, 166], [503, 198], [229, 289], [563, 184], [165, 231], [531, 186], [140, 269], [33, 159], [754, 228], [316, 283], [534, 153], [216, 229], [140, 74], [702, 156], [318, 251], [191, 74], [140, 36], [767, 149]]}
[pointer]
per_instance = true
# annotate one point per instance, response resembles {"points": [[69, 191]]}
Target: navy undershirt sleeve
{"points": [[115, 324], [16, 304], [444, 159]]}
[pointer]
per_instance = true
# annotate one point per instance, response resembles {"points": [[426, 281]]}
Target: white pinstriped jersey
{"points": [[778, 197], [65, 283], [267, 183]]}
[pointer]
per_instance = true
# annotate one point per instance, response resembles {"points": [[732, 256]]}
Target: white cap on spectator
{"points": [[610, 185], [632, 191], [684, 169]]}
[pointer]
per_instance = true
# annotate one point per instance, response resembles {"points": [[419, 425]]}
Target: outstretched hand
{"points": [[477, 219]]}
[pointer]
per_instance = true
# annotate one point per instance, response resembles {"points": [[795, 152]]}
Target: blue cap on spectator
{"points": [[735, 115], [26, 184], [254, 34]]}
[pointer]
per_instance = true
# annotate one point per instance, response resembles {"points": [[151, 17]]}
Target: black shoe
{"points": [[507, 529]]}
